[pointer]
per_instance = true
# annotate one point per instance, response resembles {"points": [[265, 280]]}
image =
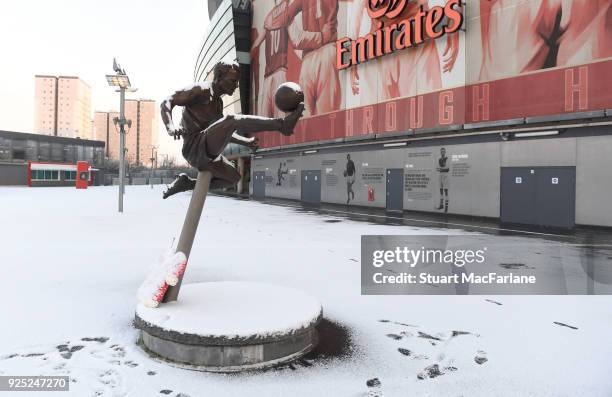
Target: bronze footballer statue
{"points": [[206, 132]]}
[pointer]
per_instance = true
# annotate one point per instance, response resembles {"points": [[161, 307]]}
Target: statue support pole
{"points": [[190, 226]]}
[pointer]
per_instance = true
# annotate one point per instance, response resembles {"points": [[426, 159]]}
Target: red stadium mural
{"points": [[516, 58]]}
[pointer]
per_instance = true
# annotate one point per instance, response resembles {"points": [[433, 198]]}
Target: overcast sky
{"points": [[156, 41]]}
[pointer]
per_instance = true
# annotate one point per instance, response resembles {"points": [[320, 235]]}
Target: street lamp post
{"points": [[165, 160], [121, 80], [153, 147]]}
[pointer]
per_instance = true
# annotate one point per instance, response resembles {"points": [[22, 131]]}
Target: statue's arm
{"points": [[179, 98]]}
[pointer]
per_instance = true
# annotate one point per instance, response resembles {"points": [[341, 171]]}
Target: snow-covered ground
{"points": [[71, 267]]}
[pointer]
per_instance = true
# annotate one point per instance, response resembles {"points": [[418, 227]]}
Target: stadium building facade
{"points": [[499, 109]]}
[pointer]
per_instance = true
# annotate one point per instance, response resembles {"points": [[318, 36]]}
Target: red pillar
{"points": [[29, 174], [82, 179]]}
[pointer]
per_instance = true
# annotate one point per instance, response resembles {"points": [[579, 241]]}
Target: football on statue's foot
{"points": [[288, 97]]}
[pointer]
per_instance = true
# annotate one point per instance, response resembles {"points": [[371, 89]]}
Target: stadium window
{"points": [[44, 175], [70, 175], [18, 154]]}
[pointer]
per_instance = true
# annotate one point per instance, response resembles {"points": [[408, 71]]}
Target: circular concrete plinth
{"points": [[230, 326]]}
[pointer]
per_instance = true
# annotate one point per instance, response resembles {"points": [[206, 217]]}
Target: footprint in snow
{"points": [[374, 387], [427, 336], [481, 357], [100, 339], [405, 325], [565, 325], [410, 353], [430, 372], [33, 355], [459, 333]]}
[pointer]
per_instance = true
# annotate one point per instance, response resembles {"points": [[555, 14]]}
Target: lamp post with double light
{"points": [[120, 79]]}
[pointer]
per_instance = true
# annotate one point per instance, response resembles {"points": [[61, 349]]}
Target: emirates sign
{"points": [[385, 8], [396, 33]]}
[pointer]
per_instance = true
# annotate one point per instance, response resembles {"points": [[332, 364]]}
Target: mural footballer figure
{"points": [[350, 175], [206, 133], [276, 50], [443, 168]]}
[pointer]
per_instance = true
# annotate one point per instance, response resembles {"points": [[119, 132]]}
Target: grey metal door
{"points": [[311, 186], [518, 195], [259, 184], [556, 197], [543, 196], [395, 189]]}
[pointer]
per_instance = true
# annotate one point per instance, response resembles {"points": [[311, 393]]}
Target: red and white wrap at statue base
{"points": [[166, 273]]}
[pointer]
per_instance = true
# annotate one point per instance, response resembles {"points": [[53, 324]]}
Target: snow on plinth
{"points": [[235, 310]]}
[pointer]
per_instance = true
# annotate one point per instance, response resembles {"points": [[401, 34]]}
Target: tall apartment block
{"points": [[105, 130], [140, 136], [62, 107]]}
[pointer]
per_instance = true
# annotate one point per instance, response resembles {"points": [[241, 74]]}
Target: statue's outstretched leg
{"points": [[219, 134]]}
